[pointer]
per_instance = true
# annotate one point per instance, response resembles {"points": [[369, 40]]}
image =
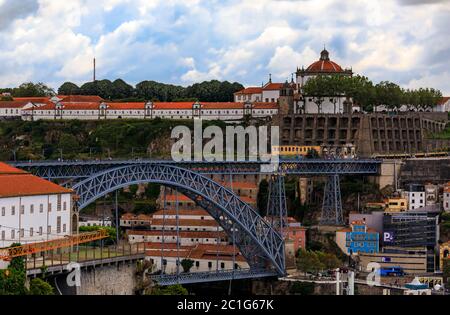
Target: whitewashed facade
{"points": [[32, 209]]}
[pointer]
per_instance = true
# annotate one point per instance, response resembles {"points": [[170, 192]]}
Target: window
{"points": [[13, 234], [197, 264], [22, 209], [64, 228], [32, 209], [209, 264], [3, 211], [22, 232], [3, 235], [31, 231], [58, 203], [58, 224], [40, 230], [41, 208], [222, 265], [64, 206], [49, 229], [49, 207]]}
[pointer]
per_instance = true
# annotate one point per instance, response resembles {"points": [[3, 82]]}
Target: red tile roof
{"points": [[41, 100], [183, 234], [265, 105], [324, 66], [444, 100], [15, 182], [13, 104], [250, 90], [273, 86], [184, 222], [6, 169], [183, 212]]}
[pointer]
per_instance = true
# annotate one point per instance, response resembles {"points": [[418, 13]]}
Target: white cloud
{"points": [[193, 40]]}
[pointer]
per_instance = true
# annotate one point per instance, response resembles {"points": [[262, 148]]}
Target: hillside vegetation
{"points": [[76, 139]]}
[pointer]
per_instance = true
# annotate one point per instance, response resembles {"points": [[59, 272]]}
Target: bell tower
{"points": [[286, 100]]}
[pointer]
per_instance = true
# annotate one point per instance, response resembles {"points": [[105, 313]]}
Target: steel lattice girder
{"points": [[83, 169], [220, 275], [332, 203], [258, 242]]}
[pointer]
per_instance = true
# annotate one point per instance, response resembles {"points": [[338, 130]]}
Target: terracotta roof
{"points": [[13, 104], [184, 212], [444, 100], [180, 198], [6, 169], [183, 234], [239, 185], [33, 99], [344, 230], [324, 66], [166, 246], [15, 182], [250, 90], [265, 105], [273, 86], [184, 222]]}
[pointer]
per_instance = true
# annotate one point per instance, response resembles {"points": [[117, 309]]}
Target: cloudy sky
{"points": [[186, 41]]}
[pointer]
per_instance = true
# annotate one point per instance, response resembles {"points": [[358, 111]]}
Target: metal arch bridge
{"points": [[308, 167], [259, 242]]}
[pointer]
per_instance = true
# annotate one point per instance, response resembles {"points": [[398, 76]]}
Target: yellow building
{"points": [[396, 205]]}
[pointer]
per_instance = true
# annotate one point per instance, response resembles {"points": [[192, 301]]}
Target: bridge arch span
{"points": [[260, 244]]}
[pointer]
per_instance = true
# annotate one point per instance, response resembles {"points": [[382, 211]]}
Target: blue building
{"points": [[358, 239]]}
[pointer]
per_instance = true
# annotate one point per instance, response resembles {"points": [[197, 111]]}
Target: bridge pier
{"points": [[332, 202], [276, 208]]}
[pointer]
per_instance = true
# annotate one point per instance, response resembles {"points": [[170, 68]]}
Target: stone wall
{"points": [[375, 133], [109, 280], [436, 170]]}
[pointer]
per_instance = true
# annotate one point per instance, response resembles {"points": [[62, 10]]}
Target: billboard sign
{"points": [[388, 237]]}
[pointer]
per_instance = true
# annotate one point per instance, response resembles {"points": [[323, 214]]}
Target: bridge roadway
{"points": [[79, 169]]}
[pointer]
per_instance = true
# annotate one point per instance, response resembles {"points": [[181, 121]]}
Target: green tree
{"points": [[30, 89], [68, 143], [177, 289], [187, 264], [69, 88], [389, 94], [309, 262], [122, 90], [40, 287]]}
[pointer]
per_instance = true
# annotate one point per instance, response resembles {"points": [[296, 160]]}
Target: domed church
{"points": [[324, 66], [297, 102]]}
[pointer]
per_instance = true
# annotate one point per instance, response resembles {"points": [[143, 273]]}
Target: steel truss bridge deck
{"points": [[208, 276], [313, 167]]}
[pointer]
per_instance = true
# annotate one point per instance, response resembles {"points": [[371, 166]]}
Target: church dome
{"points": [[325, 64]]}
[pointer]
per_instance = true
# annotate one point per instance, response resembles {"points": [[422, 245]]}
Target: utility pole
{"points": [[117, 220], [351, 283], [338, 289]]}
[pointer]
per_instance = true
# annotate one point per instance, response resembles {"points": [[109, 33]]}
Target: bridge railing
{"points": [[82, 253], [210, 276]]}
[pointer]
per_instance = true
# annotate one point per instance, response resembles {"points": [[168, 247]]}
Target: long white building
{"points": [[32, 209], [149, 110]]}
